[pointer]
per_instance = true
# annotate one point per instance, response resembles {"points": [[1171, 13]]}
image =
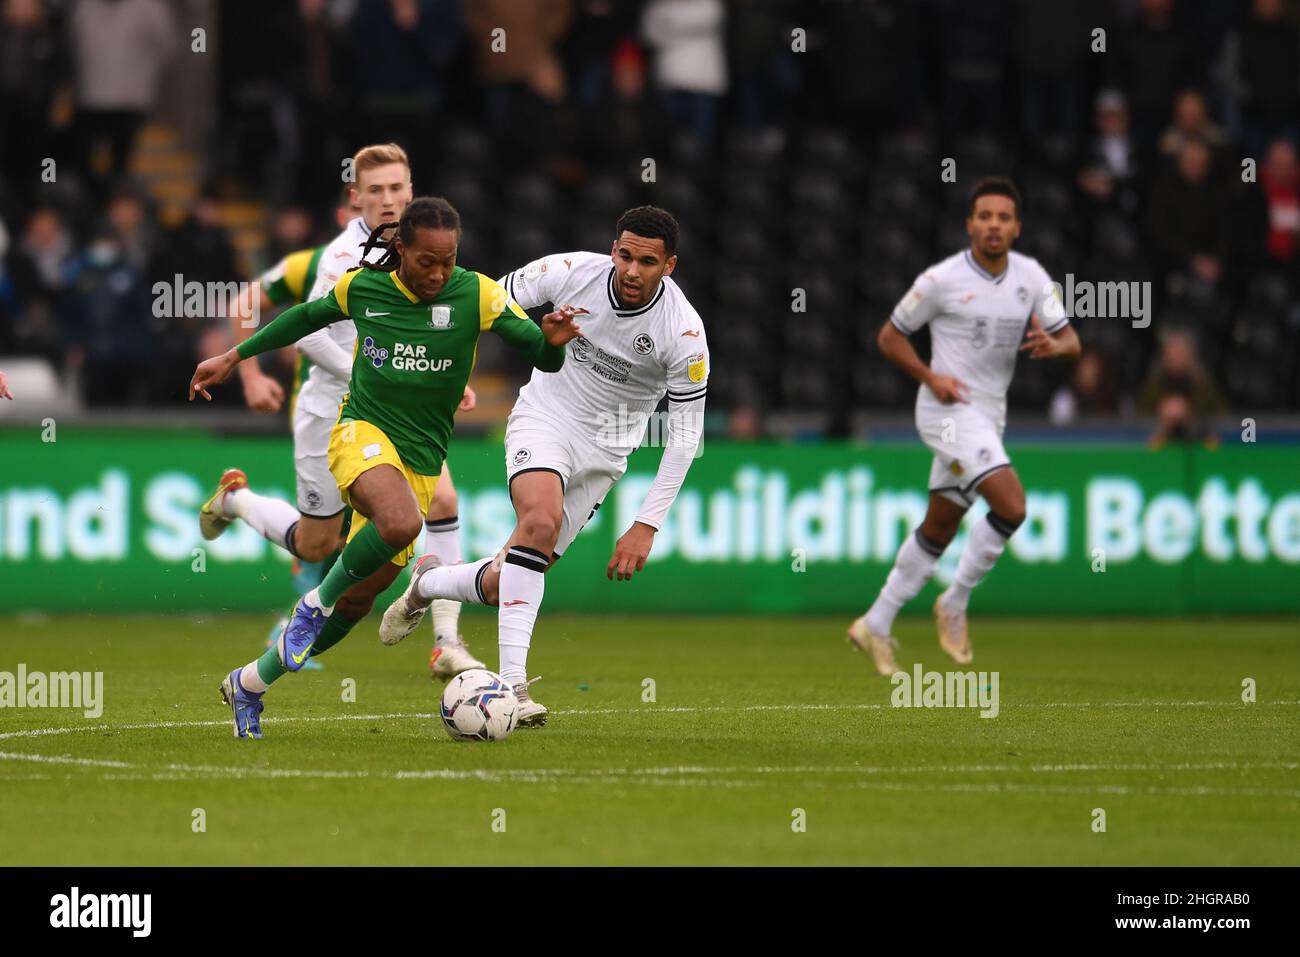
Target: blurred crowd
{"points": [[800, 144]]}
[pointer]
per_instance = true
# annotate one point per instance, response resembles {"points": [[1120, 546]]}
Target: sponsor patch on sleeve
{"points": [[1053, 308], [911, 301], [696, 368]]}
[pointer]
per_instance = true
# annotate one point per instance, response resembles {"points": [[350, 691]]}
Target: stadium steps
{"points": [[170, 174], [172, 177], [247, 224]]}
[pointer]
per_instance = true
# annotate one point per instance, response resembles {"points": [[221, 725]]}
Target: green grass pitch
{"points": [[754, 719]]}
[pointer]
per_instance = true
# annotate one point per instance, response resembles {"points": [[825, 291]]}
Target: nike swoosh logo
{"points": [[299, 659], [515, 601], [965, 299], [692, 332], [371, 315]]}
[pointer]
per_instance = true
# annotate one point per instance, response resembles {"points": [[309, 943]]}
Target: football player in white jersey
{"points": [[983, 305], [313, 530], [570, 432]]}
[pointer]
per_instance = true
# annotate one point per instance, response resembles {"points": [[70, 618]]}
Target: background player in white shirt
{"points": [[570, 433], [313, 530], [978, 305]]}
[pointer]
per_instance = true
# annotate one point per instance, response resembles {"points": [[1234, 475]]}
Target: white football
{"points": [[479, 705]]}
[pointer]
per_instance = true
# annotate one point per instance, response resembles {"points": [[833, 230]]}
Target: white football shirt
{"points": [[626, 359], [323, 390], [977, 323]]}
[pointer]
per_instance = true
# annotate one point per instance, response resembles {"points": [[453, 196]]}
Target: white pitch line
{"points": [[174, 771], [645, 709], [604, 781], [1078, 789], [156, 725], [61, 759]]}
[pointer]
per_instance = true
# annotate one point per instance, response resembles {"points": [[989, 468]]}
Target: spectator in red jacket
{"points": [[1279, 181]]}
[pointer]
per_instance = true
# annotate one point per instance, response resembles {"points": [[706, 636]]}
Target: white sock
{"points": [[455, 582], [272, 518], [983, 548], [519, 598], [312, 598], [250, 680], [913, 567], [442, 538]]}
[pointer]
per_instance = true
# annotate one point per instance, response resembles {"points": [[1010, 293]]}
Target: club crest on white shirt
{"points": [[643, 344]]}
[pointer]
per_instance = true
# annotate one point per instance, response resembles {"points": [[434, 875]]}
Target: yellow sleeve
{"points": [[341, 287], [493, 301], [295, 273]]}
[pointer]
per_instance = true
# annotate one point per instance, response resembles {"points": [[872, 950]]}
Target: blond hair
{"points": [[379, 154]]}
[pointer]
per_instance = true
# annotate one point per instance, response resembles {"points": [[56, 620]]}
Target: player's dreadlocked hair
{"points": [[424, 212], [996, 186], [650, 222]]}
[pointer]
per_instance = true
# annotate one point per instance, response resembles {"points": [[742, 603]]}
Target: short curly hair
{"points": [[996, 186], [650, 222]]}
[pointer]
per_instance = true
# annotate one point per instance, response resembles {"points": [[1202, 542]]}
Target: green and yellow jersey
{"points": [[413, 357], [289, 281]]}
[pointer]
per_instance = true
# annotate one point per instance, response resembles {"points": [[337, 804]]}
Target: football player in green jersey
{"points": [[418, 317], [313, 532], [288, 282]]}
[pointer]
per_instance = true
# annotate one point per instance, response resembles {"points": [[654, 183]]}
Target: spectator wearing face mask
{"points": [[107, 319]]}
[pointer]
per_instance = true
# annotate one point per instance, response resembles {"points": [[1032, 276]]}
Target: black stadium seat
{"points": [[532, 195]]}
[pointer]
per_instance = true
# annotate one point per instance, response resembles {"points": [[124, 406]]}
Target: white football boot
{"points": [[532, 714], [953, 638], [879, 647], [405, 614], [450, 657]]}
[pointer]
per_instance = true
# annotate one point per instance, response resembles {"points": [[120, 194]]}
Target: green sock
{"points": [[268, 666], [361, 558], [334, 630]]}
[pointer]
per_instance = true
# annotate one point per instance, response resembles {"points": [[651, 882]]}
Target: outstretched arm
{"points": [[290, 326], [261, 391], [544, 345], [685, 426]]}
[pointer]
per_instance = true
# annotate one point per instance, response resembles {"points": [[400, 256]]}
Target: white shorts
{"points": [[536, 442], [318, 493], [967, 446]]}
